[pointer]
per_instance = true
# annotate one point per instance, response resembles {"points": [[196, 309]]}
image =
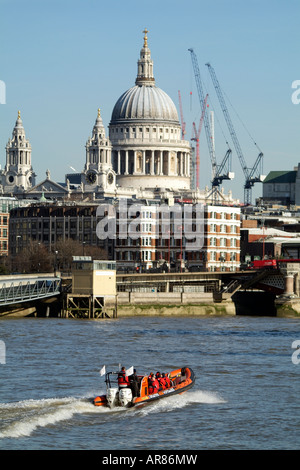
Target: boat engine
{"points": [[125, 396], [112, 397]]}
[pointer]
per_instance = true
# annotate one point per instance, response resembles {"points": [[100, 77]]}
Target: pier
{"points": [[94, 290]]}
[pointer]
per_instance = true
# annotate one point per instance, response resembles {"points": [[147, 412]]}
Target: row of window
{"points": [[223, 215], [140, 129], [223, 241], [223, 228], [222, 256]]}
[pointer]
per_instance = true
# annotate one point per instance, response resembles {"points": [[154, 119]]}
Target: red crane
{"points": [[197, 138], [183, 124]]}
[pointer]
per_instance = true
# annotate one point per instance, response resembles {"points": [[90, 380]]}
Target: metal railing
{"points": [[13, 291]]}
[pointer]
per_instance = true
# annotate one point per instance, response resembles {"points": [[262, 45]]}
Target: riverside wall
{"points": [[171, 304]]}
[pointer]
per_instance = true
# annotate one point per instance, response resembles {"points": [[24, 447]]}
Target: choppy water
{"points": [[246, 394]]}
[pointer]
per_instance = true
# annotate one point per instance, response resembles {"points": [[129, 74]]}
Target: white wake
{"points": [[22, 418]]}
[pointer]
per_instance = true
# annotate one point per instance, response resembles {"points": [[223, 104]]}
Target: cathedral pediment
{"points": [[48, 186]]}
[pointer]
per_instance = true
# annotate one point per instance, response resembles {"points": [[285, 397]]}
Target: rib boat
{"points": [[181, 380]]}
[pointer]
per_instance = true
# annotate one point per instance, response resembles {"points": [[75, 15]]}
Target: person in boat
{"points": [[167, 380], [123, 380], [161, 381], [153, 384], [134, 384]]}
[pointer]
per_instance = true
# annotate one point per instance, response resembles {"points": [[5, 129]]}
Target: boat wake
{"points": [[180, 401], [23, 418]]}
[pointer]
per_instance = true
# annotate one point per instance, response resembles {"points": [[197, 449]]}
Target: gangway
{"points": [[18, 289]]}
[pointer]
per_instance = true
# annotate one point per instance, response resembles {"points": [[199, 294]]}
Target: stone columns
{"points": [[144, 162], [152, 163], [161, 162], [119, 162]]}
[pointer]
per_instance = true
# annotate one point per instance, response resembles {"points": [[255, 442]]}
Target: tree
{"points": [[65, 250], [34, 258]]}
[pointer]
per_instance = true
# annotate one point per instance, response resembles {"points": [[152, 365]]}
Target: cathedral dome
{"points": [[144, 102], [145, 133]]}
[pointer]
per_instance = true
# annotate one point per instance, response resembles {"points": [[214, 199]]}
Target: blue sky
{"points": [[61, 60]]}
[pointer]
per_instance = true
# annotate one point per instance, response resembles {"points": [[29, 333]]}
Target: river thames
{"points": [[246, 395]]}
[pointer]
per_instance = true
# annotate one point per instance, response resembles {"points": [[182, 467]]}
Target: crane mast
{"points": [[251, 176], [217, 175], [197, 139], [206, 119]]}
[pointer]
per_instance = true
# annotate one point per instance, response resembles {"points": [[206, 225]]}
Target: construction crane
{"points": [[183, 124], [252, 175], [197, 139], [217, 175]]}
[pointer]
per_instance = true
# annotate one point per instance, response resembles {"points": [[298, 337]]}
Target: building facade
{"points": [[141, 237], [282, 187]]}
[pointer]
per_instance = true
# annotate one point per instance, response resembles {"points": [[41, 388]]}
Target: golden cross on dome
{"points": [[19, 114], [145, 37], [98, 112]]}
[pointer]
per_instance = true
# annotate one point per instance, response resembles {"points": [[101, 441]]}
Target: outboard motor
{"points": [[112, 397], [125, 397]]}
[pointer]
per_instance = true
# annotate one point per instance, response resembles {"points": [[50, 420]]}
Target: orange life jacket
{"points": [[122, 378], [162, 382], [153, 385]]}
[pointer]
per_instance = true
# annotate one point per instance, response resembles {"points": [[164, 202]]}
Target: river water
{"points": [[246, 394]]}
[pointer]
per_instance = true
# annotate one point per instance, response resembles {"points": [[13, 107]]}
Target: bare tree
{"points": [[34, 258], [66, 249]]}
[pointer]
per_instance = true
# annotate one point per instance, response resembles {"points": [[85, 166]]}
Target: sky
{"points": [[62, 60]]}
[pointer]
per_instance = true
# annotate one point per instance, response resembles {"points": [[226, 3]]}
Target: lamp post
{"points": [[18, 237], [55, 262], [169, 249], [180, 228]]}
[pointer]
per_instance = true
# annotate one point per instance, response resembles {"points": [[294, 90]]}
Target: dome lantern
{"points": [[145, 65]]}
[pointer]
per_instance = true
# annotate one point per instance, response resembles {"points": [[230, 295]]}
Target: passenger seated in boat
{"points": [[123, 380], [161, 381], [153, 384], [167, 380]]}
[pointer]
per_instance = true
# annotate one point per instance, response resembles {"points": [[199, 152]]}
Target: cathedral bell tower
{"points": [[98, 173], [18, 175]]}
